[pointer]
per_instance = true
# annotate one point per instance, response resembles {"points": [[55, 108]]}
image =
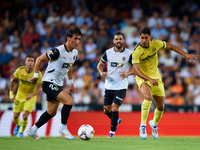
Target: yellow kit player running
{"points": [[148, 78], [26, 96]]}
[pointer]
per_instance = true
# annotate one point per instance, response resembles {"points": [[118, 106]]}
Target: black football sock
{"points": [[44, 118], [65, 113], [109, 114], [114, 119]]}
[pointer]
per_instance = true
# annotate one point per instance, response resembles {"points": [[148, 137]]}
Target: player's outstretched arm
{"points": [[180, 51], [11, 94], [38, 91], [39, 60], [69, 75], [100, 69]]}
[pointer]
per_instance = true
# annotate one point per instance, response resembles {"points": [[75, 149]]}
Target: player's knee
{"points": [[115, 107], [161, 107], [106, 111], [52, 113], [148, 97]]}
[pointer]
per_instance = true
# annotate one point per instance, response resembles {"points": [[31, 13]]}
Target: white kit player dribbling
{"points": [[118, 59], [60, 64]]}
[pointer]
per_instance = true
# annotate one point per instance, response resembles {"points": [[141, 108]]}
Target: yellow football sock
{"points": [[23, 125], [157, 116], [16, 121], [145, 110]]}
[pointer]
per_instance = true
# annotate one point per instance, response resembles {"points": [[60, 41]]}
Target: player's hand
{"points": [[12, 100], [29, 97], [191, 56], [154, 82], [123, 75], [104, 74], [11, 96], [72, 88], [33, 80]]}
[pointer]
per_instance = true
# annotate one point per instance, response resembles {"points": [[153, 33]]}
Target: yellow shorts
{"points": [[27, 105], [156, 90]]}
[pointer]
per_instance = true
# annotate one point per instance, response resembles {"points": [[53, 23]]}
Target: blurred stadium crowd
{"points": [[35, 27]]}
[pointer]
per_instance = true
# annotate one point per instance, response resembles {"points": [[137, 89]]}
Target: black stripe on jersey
{"points": [[163, 45], [104, 57], [50, 71], [130, 59], [136, 46], [53, 54]]}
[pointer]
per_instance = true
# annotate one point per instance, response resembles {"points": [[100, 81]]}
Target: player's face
{"points": [[30, 62], [144, 40], [74, 41], [118, 41]]}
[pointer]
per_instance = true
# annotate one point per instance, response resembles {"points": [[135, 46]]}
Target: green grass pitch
{"points": [[100, 143]]}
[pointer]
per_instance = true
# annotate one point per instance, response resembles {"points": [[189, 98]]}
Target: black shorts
{"points": [[51, 90], [116, 96]]}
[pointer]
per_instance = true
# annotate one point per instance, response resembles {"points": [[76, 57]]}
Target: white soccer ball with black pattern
{"points": [[86, 132]]}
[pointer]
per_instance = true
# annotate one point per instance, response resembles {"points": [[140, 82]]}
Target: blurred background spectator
{"points": [[37, 26]]}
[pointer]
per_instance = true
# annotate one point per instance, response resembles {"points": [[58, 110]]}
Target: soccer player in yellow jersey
{"points": [[26, 96], [148, 78]]}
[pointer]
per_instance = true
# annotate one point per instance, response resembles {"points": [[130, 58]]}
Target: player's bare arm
{"points": [[11, 94], [180, 51], [38, 91], [100, 69], [38, 62], [72, 88]]}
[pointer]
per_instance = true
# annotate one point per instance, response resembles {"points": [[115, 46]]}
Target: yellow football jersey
{"points": [[25, 87], [148, 58]]}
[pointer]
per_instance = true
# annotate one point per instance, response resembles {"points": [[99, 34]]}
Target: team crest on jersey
{"points": [[74, 57], [154, 49], [123, 58]]}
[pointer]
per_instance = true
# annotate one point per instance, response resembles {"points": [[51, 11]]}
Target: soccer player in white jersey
{"points": [[118, 60], [60, 59]]}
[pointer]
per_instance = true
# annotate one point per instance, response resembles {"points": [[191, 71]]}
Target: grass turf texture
{"points": [[99, 143]]}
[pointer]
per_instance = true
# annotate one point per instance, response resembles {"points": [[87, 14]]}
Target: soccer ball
{"points": [[86, 132]]}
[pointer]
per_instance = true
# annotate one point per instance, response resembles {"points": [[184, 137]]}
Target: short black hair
{"points": [[75, 31], [145, 30], [30, 55], [119, 33]]}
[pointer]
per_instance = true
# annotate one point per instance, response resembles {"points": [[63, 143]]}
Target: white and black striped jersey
{"points": [[116, 63], [60, 62]]}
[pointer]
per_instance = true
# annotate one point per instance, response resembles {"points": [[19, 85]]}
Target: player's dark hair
{"points": [[75, 31], [119, 33], [145, 30], [29, 55]]}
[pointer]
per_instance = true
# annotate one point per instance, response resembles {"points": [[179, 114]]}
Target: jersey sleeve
{"points": [[104, 58], [39, 80], [161, 44], [135, 57], [53, 54], [16, 73]]}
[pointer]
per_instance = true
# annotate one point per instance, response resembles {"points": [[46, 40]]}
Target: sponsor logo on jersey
{"points": [[67, 65], [115, 64], [149, 57]]}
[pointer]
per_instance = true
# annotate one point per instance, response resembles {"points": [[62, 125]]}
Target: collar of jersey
{"points": [[144, 47], [66, 48], [118, 52]]}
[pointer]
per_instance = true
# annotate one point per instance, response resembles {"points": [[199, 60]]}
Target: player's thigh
{"points": [[52, 107], [65, 98], [145, 89], [118, 98], [18, 106], [29, 104], [160, 102], [108, 97]]}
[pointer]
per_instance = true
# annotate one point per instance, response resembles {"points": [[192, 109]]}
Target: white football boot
{"points": [[66, 134], [154, 129]]}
